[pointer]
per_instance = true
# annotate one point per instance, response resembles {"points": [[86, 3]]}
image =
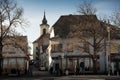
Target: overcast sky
{"points": [[34, 11]]}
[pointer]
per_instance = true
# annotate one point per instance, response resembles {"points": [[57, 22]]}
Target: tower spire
{"points": [[44, 21], [44, 13]]}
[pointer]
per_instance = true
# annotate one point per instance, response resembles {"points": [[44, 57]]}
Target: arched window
{"points": [[44, 31]]}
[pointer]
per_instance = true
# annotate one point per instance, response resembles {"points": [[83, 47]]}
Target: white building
{"points": [[15, 55], [68, 51]]}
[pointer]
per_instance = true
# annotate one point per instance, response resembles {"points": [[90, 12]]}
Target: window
{"points": [[44, 47], [44, 31], [56, 48], [59, 47], [36, 48], [118, 48], [86, 47], [37, 53], [11, 52], [69, 47], [37, 58]]}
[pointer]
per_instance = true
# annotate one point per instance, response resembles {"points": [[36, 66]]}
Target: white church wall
{"points": [[34, 50]]}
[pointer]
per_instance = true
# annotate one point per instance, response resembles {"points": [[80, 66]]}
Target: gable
{"points": [[43, 39]]}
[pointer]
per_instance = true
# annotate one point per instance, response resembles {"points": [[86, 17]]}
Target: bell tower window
{"points": [[44, 31]]}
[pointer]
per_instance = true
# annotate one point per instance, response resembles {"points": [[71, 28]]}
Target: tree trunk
{"points": [[94, 65], [1, 58]]}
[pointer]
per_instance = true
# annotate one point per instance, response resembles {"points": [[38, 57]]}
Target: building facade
{"points": [[78, 44], [15, 55], [72, 52]]}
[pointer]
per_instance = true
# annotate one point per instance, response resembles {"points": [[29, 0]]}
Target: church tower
{"points": [[44, 27]]}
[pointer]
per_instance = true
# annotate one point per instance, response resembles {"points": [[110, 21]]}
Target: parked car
{"points": [[42, 68]]}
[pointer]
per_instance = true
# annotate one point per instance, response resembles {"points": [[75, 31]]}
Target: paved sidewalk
{"points": [[41, 73], [44, 75], [70, 77], [84, 77]]}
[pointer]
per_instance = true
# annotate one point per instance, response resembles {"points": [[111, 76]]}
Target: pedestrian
{"points": [[51, 70], [82, 66], [112, 68], [77, 70], [30, 72]]}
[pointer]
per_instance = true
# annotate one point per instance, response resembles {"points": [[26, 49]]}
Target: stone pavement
{"points": [[70, 77], [44, 75], [90, 77], [41, 73]]}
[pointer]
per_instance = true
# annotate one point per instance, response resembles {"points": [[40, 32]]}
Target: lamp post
{"points": [[108, 54], [62, 57]]}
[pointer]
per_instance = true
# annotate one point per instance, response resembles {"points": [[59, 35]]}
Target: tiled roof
{"points": [[65, 25], [17, 41]]}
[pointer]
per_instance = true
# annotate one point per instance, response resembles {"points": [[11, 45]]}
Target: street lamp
{"points": [[108, 54], [62, 57]]}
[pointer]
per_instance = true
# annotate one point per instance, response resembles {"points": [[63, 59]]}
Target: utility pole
{"points": [[108, 54]]}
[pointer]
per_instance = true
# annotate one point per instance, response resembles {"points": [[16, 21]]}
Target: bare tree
{"points": [[86, 8], [97, 34], [116, 17], [10, 17], [93, 33]]}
